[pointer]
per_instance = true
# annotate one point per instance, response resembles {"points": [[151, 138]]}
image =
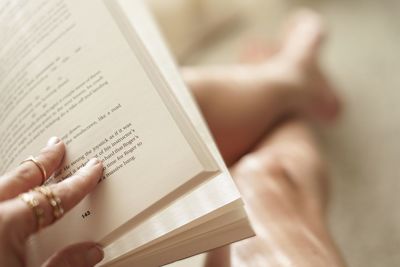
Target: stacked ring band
{"points": [[53, 200], [33, 203]]}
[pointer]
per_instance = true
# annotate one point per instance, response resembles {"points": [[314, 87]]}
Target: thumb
{"points": [[85, 254]]}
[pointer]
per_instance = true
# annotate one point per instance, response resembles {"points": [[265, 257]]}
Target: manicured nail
{"points": [[94, 255], [92, 162], [53, 140]]}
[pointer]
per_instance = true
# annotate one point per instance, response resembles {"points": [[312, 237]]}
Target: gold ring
{"points": [[54, 201], [33, 203], [39, 165]]}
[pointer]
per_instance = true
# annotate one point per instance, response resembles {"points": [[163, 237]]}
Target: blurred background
{"points": [[362, 56]]}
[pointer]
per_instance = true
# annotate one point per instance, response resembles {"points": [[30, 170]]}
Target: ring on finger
{"points": [[34, 204], [54, 201], [39, 165]]}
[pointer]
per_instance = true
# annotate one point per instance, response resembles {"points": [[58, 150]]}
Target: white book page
{"points": [[211, 200], [217, 194], [66, 70]]}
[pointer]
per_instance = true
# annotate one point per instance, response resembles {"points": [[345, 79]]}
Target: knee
{"points": [[256, 166], [281, 166]]}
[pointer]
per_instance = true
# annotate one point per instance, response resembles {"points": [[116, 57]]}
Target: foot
{"points": [[294, 65], [241, 103]]}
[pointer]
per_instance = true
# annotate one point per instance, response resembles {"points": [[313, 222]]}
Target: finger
{"points": [[20, 218], [28, 175], [80, 255]]}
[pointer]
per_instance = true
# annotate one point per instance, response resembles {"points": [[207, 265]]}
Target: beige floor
{"points": [[363, 57]]}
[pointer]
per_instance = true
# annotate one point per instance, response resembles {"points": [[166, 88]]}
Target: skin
{"points": [[241, 103], [284, 185], [17, 221], [259, 114]]}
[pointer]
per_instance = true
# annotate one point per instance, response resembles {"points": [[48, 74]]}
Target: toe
{"points": [[304, 36], [257, 52]]}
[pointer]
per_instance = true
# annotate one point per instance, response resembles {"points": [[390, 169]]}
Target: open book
{"points": [[97, 74]]}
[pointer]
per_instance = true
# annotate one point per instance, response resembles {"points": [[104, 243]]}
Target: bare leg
{"points": [[282, 178], [284, 184], [241, 103]]}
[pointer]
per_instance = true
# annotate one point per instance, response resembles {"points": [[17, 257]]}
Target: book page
{"points": [[67, 70], [205, 201]]}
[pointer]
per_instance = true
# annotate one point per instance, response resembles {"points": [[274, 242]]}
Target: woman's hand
{"points": [[24, 215]]}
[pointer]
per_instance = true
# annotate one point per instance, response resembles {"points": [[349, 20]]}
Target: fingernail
{"points": [[92, 162], [94, 255], [53, 140]]}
